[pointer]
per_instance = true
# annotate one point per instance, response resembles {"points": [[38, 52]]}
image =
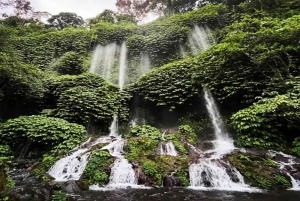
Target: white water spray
{"points": [[167, 148], [145, 63], [200, 39], [123, 65], [103, 60]]}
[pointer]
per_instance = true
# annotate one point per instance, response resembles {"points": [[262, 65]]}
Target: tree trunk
{"points": [[2, 178]]}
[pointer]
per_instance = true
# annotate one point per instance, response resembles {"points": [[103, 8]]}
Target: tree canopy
{"points": [[65, 19]]}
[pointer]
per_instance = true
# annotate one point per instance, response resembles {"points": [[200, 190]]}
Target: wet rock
{"points": [[171, 181], [142, 178], [32, 167], [38, 192], [22, 177], [73, 186], [206, 179], [296, 176], [205, 145]]}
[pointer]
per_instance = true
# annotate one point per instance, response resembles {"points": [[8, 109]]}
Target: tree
{"points": [[140, 8], [112, 17], [21, 7], [63, 20]]}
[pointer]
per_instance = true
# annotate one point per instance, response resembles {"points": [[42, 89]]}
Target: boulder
{"points": [[73, 186], [205, 145], [38, 192], [171, 181]]}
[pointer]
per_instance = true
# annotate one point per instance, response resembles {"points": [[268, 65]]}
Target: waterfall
{"points": [[122, 173], [123, 64], [103, 60], [114, 128], [166, 148], [145, 63], [222, 139], [212, 171], [72, 166], [200, 39]]}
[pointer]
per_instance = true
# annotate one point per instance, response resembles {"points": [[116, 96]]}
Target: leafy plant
{"points": [[144, 131], [150, 168], [41, 130], [59, 196], [71, 63], [97, 170]]}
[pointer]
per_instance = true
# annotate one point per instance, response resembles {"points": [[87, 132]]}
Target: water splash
{"points": [[123, 65], [103, 60], [200, 39], [122, 173]]}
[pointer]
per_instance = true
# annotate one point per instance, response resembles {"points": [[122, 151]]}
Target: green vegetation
{"points": [[40, 171], [97, 170], [48, 98], [144, 131], [70, 63], [260, 172], [46, 132], [59, 196]]}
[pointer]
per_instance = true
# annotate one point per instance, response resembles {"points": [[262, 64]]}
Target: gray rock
{"points": [[171, 181]]}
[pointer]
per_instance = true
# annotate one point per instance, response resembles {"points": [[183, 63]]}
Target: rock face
{"points": [[171, 181], [142, 178], [71, 186], [2, 178], [38, 192]]}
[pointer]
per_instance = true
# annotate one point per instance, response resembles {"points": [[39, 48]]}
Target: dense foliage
{"points": [[252, 69], [41, 131]]}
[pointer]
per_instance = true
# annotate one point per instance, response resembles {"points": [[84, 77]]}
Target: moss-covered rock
{"points": [[97, 170], [40, 170], [260, 171]]}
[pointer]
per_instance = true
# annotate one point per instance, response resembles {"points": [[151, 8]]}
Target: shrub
{"points": [[71, 63], [46, 132]]}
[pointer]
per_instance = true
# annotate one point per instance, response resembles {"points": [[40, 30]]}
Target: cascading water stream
{"points": [[213, 172], [287, 165], [72, 166], [166, 148]]}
